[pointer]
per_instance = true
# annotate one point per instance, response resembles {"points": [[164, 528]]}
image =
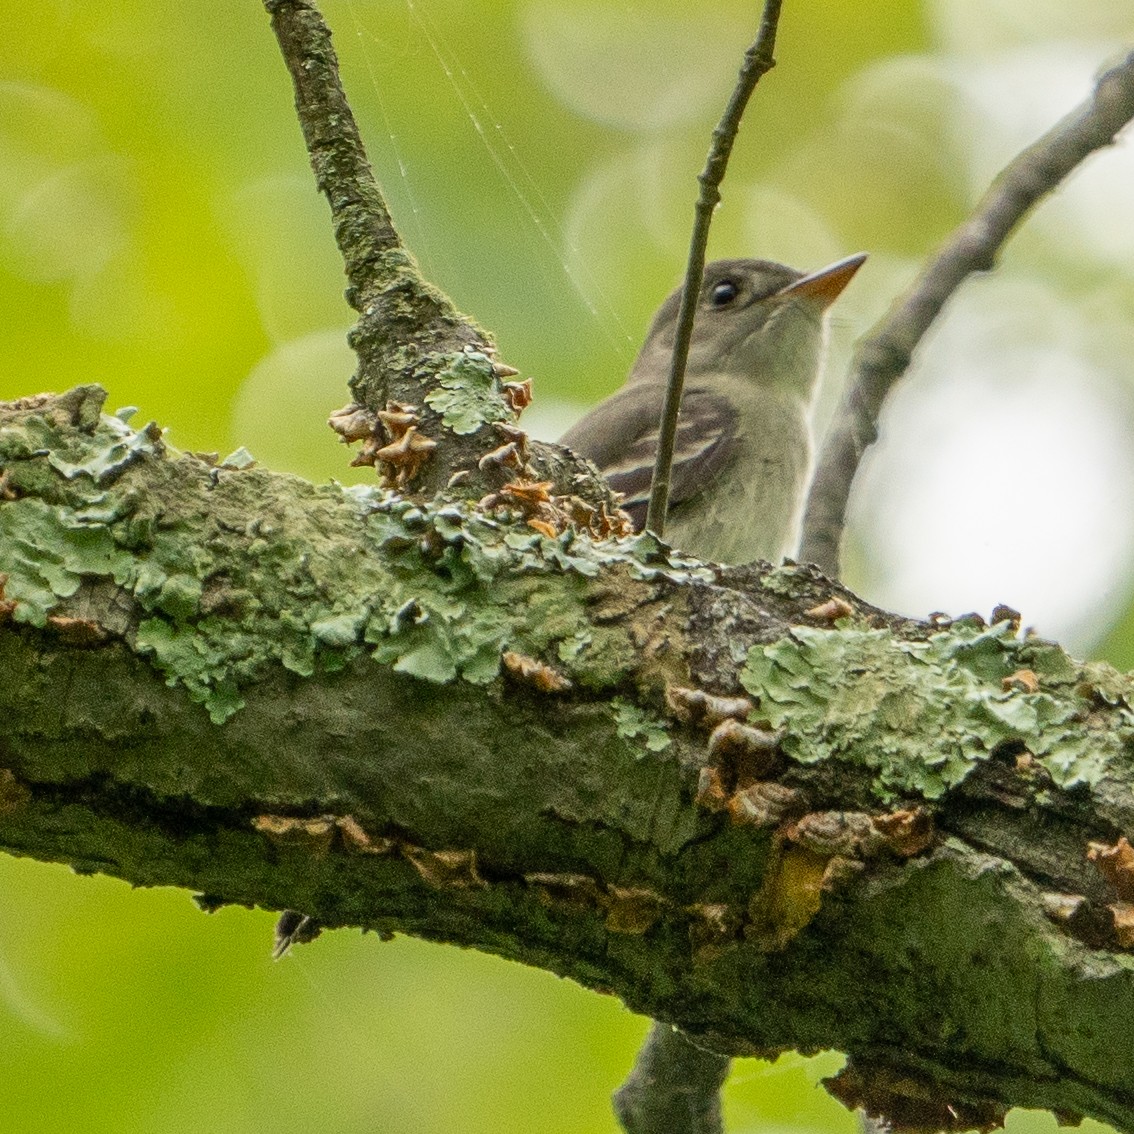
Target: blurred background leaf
{"points": [[160, 234]]}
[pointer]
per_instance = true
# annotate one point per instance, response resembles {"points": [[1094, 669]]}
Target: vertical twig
{"points": [[883, 356], [758, 61], [675, 1087]]}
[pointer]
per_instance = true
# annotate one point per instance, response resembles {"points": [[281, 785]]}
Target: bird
{"points": [[742, 453]]}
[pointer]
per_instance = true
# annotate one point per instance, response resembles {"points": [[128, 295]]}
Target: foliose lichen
{"points": [[467, 394], [920, 714], [232, 570]]}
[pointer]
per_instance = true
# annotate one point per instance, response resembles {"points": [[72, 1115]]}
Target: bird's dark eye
{"points": [[723, 293]]}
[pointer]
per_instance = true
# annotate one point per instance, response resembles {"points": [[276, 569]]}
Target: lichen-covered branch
{"points": [[430, 398], [742, 800], [884, 354]]}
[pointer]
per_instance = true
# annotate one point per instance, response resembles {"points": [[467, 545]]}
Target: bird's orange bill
{"points": [[825, 285]]}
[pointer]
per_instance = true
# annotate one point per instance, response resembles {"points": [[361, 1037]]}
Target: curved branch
{"points": [[884, 354]]}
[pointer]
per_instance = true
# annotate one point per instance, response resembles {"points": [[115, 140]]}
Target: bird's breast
{"points": [[753, 507]]}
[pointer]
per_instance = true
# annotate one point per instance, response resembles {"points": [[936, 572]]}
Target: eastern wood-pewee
{"points": [[743, 449]]}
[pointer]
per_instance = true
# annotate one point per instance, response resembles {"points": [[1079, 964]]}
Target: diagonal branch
{"points": [[375, 260], [883, 356], [371, 249], [455, 420], [410, 340], [758, 61]]}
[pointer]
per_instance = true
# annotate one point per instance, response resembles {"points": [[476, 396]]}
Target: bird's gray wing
{"points": [[621, 436]]}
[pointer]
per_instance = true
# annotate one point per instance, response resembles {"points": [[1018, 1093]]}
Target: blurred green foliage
{"points": [[160, 234]]}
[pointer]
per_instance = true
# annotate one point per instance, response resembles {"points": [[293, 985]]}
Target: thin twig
{"points": [[758, 61], [883, 356], [674, 1087]]}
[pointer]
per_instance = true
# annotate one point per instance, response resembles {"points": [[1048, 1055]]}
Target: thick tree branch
{"points": [[745, 802], [883, 355], [741, 800]]}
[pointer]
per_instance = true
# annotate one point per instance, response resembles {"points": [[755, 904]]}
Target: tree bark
{"points": [[741, 799]]}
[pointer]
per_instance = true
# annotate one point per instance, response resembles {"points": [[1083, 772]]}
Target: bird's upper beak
{"points": [[825, 285]]}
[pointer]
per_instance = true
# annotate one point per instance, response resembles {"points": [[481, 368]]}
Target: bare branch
{"points": [[758, 61], [884, 355]]}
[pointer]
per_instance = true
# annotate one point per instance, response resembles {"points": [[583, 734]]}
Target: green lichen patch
{"points": [[231, 570], [239, 458], [100, 447], [111, 459], [1101, 680], [789, 580], [597, 656], [467, 394], [46, 552], [650, 558], [189, 657], [919, 714], [464, 587], [634, 723]]}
